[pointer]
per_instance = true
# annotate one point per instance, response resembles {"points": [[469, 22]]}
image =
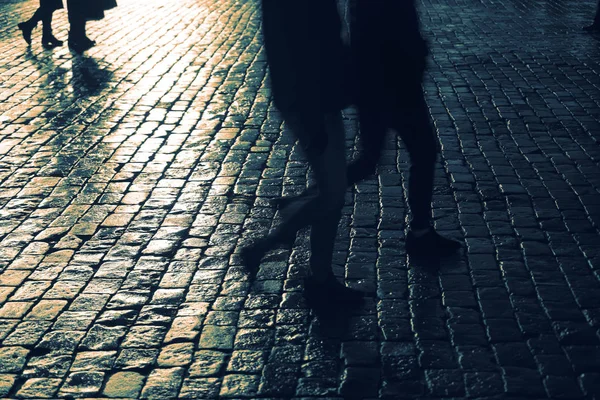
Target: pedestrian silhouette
{"points": [[305, 54], [595, 26], [81, 11], [389, 56], [44, 14]]}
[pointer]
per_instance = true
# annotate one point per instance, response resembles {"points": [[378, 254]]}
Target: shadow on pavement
{"points": [[54, 76], [89, 78]]}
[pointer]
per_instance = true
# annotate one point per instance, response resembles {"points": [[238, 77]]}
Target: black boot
{"points": [[26, 28], [331, 295], [80, 44], [48, 39], [78, 40], [430, 245], [50, 42]]}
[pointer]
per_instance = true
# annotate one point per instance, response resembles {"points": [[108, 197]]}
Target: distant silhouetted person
{"points": [[595, 26], [44, 14], [389, 56], [305, 56], [81, 11]]}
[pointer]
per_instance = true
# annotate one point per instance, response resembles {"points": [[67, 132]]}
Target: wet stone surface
{"points": [[131, 176]]}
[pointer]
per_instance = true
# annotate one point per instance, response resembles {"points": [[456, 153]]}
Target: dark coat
{"points": [[51, 5], [389, 53], [305, 54], [90, 9], [95, 9]]}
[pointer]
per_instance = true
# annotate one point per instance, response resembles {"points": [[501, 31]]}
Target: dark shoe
{"points": [[430, 245], [594, 28], [252, 256], [26, 31], [50, 42], [331, 295], [89, 41], [79, 45]]}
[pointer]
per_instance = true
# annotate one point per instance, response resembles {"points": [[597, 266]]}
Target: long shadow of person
{"points": [[89, 78], [51, 83], [54, 75]]}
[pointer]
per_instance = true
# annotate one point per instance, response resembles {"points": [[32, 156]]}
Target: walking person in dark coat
{"points": [[304, 52], [81, 11], [595, 26], [44, 14], [390, 60], [389, 57]]}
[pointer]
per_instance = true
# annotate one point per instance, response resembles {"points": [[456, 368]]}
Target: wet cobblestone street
{"points": [[131, 176]]}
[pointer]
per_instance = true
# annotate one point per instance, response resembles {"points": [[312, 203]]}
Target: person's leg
{"points": [[322, 212], [329, 173], [48, 39], [76, 20], [371, 137], [47, 24], [36, 17], [329, 168], [78, 40], [28, 26], [322, 290], [416, 131]]}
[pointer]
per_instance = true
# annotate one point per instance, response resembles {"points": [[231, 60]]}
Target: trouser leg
{"points": [[415, 128], [46, 17], [36, 17], [47, 24], [331, 169], [372, 135], [76, 19], [322, 212]]}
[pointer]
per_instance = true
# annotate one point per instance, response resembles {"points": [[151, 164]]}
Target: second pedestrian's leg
{"points": [[78, 40], [48, 39], [372, 135], [28, 26], [417, 133], [322, 213]]}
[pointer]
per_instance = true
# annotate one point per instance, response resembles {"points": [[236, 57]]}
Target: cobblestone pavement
{"points": [[130, 177]]}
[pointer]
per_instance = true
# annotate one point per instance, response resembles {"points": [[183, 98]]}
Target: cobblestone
{"points": [[130, 177]]}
